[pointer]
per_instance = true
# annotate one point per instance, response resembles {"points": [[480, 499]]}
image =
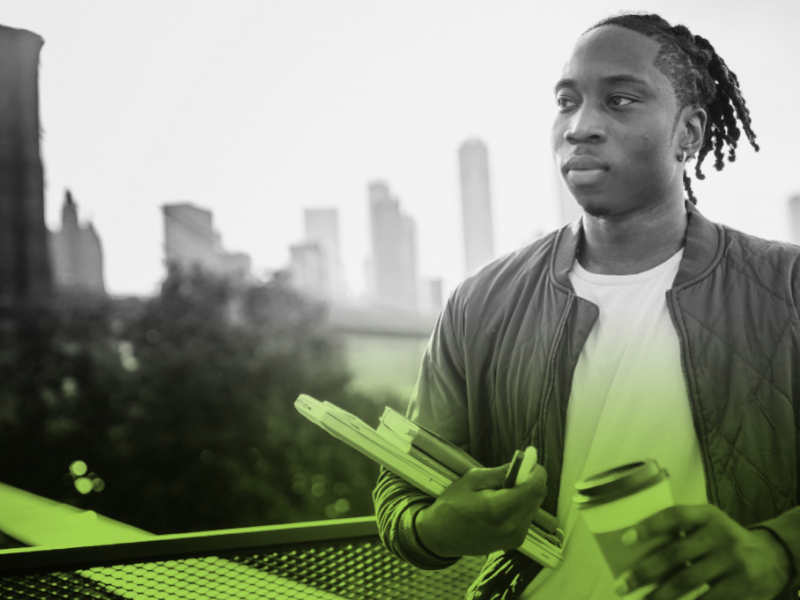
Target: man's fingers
{"points": [[671, 521]]}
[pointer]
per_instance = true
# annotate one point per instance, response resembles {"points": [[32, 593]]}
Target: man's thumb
{"points": [[537, 477], [488, 478]]}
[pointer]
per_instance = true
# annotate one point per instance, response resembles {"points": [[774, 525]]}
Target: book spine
{"points": [[424, 441], [414, 452]]}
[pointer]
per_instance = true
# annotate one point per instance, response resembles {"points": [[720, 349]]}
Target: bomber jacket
{"points": [[497, 373]]}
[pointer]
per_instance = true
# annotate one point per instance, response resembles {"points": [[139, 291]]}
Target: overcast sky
{"points": [[258, 109]]}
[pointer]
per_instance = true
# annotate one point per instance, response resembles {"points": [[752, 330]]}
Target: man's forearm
{"points": [[397, 503]]}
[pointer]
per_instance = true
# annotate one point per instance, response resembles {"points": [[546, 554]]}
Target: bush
{"points": [[183, 405]]}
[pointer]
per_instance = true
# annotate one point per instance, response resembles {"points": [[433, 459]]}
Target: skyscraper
{"points": [[794, 219], [190, 240], [308, 269], [189, 236], [394, 256], [476, 203], [76, 253], [322, 228], [568, 208], [25, 273]]}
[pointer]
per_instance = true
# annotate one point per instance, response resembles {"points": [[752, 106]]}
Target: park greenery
{"points": [[182, 407]]}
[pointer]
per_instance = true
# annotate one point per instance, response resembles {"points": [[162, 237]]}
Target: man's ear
{"points": [[692, 127]]}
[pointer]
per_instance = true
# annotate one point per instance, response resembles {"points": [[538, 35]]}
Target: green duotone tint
{"points": [[613, 501]]}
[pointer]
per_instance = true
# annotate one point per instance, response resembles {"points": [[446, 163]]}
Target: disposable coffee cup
{"points": [[615, 500]]}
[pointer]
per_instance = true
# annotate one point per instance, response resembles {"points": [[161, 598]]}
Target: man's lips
{"points": [[584, 170], [584, 163]]}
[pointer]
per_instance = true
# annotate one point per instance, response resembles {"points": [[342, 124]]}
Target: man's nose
{"points": [[585, 126]]}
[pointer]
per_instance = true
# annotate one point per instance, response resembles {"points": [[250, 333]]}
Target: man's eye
{"points": [[620, 101], [564, 102]]}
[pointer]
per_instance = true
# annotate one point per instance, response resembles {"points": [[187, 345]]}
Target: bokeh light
{"points": [[78, 468], [84, 485]]}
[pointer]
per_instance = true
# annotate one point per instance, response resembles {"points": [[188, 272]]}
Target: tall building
{"points": [[794, 219], [76, 253], [568, 207], [322, 228], [431, 297], [25, 272], [308, 269], [394, 256], [476, 203], [190, 240]]}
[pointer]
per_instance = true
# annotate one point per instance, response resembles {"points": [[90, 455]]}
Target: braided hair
{"points": [[700, 78]]}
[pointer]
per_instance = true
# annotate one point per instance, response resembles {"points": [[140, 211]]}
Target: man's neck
{"points": [[633, 243]]}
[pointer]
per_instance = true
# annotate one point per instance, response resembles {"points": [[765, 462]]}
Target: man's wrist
{"points": [[412, 548], [783, 558], [426, 534]]}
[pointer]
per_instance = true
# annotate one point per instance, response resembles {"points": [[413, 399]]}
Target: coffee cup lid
{"points": [[617, 482]]}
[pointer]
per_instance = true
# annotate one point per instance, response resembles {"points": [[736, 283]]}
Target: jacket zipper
{"points": [[695, 417], [552, 361]]}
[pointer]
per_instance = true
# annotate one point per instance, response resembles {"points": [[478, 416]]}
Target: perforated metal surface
{"points": [[331, 571]]}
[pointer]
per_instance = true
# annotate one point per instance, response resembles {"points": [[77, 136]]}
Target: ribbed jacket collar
{"points": [[702, 247]]}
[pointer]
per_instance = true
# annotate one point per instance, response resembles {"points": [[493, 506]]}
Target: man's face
{"points": [[613, 134]]}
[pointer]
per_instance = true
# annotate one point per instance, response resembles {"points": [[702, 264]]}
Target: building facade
{"points": [[476, 203], [76, 253], [308, 270], [322, 229], [190, 240], [393, 250], [794, 219], [25, 270], [568, 208]]}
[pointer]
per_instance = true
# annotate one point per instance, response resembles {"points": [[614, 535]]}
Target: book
{"points": [[448, 454], [538, 545], [408, 448]]}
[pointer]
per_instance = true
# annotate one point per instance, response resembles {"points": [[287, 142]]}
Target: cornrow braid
{"points": [[700, 78]]}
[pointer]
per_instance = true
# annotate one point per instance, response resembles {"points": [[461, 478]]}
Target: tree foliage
{"points": [[183, 405]]}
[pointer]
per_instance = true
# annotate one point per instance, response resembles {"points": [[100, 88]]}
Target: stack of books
{"points": [[425, 460]]}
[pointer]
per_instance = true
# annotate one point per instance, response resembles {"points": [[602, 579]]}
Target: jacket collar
{"points": [[702, 247]]}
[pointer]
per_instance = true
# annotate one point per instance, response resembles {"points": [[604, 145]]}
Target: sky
{"points": [[259, 109]]}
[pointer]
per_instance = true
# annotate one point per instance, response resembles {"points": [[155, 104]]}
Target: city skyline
{"points": [[292, 108], [476, 203]]}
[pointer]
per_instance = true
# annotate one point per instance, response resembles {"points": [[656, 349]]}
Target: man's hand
{"points": [[733, 561], [476, 516]]}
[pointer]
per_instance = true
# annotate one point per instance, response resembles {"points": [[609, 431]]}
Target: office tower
{"points": [[191, 241], [568, 207], [76, 253], [308, 269], [394, 256], [794, 219], [431, 296], [322, 228], [189, 236], [25, 272], [476, 203]]}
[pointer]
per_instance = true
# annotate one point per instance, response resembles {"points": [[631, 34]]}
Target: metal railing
{"points": [[329, 560]]}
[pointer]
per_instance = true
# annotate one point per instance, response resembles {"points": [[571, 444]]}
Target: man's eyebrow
{"points": [[611, 79]]}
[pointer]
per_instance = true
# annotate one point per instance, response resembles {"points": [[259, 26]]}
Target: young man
{"points": [[640, 331]]}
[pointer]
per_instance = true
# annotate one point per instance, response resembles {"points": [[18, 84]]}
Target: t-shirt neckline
{"points": [[598, 278]]}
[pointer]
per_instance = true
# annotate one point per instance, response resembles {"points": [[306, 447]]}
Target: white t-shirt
{"points": [[628, 403]]}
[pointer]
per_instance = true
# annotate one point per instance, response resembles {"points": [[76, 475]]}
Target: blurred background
{"points": [[208, 208]]}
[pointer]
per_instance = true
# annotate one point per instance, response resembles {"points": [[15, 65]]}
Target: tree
{"points": [[183, 405]]}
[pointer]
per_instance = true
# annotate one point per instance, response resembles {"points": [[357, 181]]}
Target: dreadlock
{"points": [[700, 78]]}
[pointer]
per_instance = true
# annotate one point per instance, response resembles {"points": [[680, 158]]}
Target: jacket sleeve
{"points": [[439, 403], [786, 529]]}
